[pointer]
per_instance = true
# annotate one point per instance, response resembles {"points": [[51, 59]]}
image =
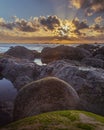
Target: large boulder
{"points": [[63, 52], [48, 94], [19, 71], [22, 53], [87, 81]]}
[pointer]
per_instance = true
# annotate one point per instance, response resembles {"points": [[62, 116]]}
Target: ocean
{"points": [[5, 46]]}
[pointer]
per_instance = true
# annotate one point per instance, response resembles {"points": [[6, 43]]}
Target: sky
{"points": [[51, 21]]}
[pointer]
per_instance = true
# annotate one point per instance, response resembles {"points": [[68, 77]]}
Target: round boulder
{"points": [[44, 95], [22, 53], [63, 52]]}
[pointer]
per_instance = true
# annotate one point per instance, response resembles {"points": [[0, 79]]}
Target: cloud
{"points": [[2, 20], [50, 22], [50, 28], [98, 20], [98, 28], [80, 25], [90, 6], [77, 3], [18, 24], [32, 25]]}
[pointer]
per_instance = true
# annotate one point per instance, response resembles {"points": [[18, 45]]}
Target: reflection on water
{"points": [[39, 62], [7, 96], [7, 90]]}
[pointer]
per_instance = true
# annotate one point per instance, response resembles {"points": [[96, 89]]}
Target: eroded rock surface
{"points": [[47, 94], [19, 71], [87, 81]]}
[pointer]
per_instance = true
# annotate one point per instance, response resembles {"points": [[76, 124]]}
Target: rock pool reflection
{"points": [[7, 90], [38, 61], [7, 95]]}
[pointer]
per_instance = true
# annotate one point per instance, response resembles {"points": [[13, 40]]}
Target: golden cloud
{"points": [[49, 29]]}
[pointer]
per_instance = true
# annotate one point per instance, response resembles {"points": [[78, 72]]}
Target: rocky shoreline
{"points": [[81, 68]]}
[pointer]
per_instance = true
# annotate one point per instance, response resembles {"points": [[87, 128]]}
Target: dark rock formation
{"points": [[36, 54], [19, 72], [87, 81], [94, 62], [99, 56], [99, 51], [63, 52], [89, 47], [22, 53], [48, 94], [1, 69], [6, 112]]}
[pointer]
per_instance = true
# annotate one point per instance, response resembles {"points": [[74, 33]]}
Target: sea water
{"points": [[5, 46]]}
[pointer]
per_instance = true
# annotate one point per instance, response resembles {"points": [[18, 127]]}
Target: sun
{"points": [[64, 30]]}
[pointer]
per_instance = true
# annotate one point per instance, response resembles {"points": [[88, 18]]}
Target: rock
{"points": [[19, 71], [6, 112], [99, 56], [60, 120], [44, 95], [36, 53], [94, 62], [99, 51], [22, 53], [89, 47], [63, 52], [87, 81], [20, 81]]}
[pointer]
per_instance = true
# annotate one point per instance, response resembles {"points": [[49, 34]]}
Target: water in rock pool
{"points": [[7, 90], [38, 61], [7, 96]]}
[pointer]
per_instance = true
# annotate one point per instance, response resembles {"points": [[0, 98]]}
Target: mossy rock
{"points": [[60, 120]]}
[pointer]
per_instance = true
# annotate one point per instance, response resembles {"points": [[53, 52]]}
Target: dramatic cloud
{"points": [[77, 3], [19, 24], [90, 6], [98, 20], [80, 25], [32, 25], [98, 28], [50, 29], [51, 22]]}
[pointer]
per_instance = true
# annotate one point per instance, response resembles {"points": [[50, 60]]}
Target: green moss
{"points": [[85, 126], [58, 120]]}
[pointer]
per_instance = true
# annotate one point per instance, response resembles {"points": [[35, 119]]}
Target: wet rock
{"points": [[99, 51], [22, 53], [18, 71], [89, 47], [87, 81], [99, 56], [48, 94], [6, 112], [36, 53], [94, 62], [63, 52]]}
